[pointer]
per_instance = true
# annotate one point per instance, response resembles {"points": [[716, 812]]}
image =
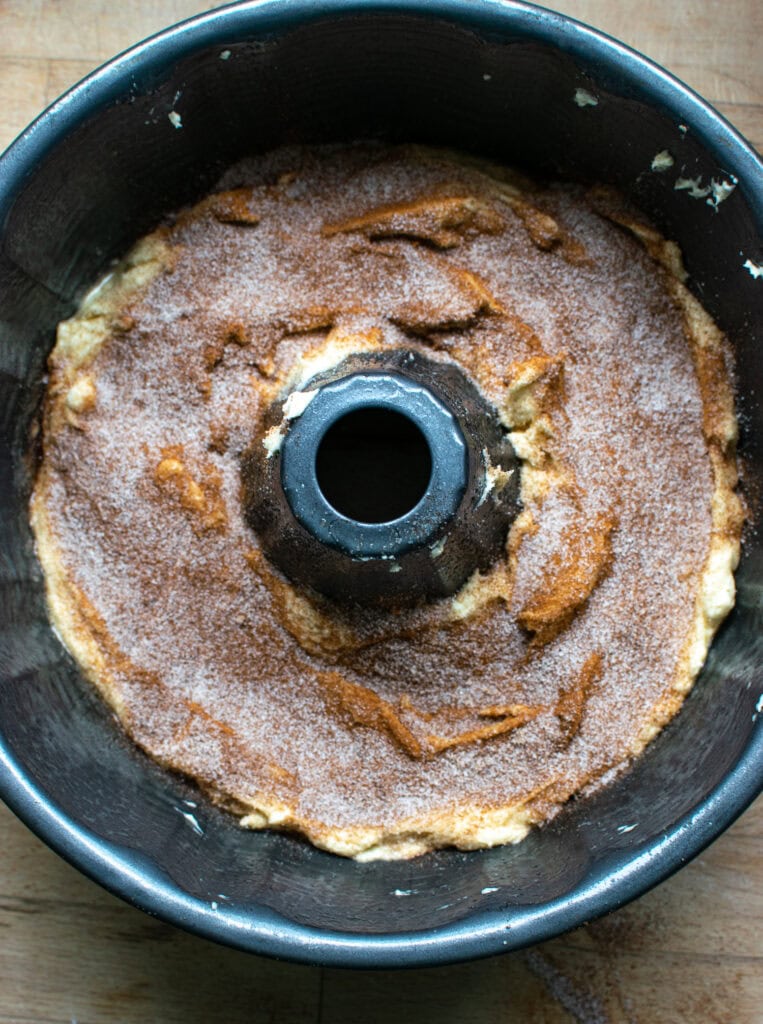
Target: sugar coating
{"points": [[465, 721]]}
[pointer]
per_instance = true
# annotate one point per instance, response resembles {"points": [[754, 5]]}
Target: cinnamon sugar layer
{"points": [[464, 721]]}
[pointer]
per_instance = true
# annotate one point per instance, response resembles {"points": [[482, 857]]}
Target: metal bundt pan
{"points": [[103, 165]]}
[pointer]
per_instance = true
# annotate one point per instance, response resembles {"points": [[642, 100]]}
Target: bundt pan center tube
{"points": [[373, 483], [106, 164]]}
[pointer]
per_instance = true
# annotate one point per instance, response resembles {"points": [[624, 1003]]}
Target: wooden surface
{"points": [[691, 951]]}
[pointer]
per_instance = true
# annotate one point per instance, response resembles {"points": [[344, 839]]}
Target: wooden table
{"points": [[691, 951]]}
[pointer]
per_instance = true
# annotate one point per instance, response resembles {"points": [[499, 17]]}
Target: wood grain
{"points": [[690, 951]]}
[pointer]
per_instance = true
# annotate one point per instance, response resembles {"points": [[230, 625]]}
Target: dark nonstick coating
{"points": [[102, 166]]}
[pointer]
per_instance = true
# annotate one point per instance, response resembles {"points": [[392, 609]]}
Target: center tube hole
{"points": [[373, 465]]}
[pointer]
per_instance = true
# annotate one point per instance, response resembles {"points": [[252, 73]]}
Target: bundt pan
{"points": [[105, 164]]}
